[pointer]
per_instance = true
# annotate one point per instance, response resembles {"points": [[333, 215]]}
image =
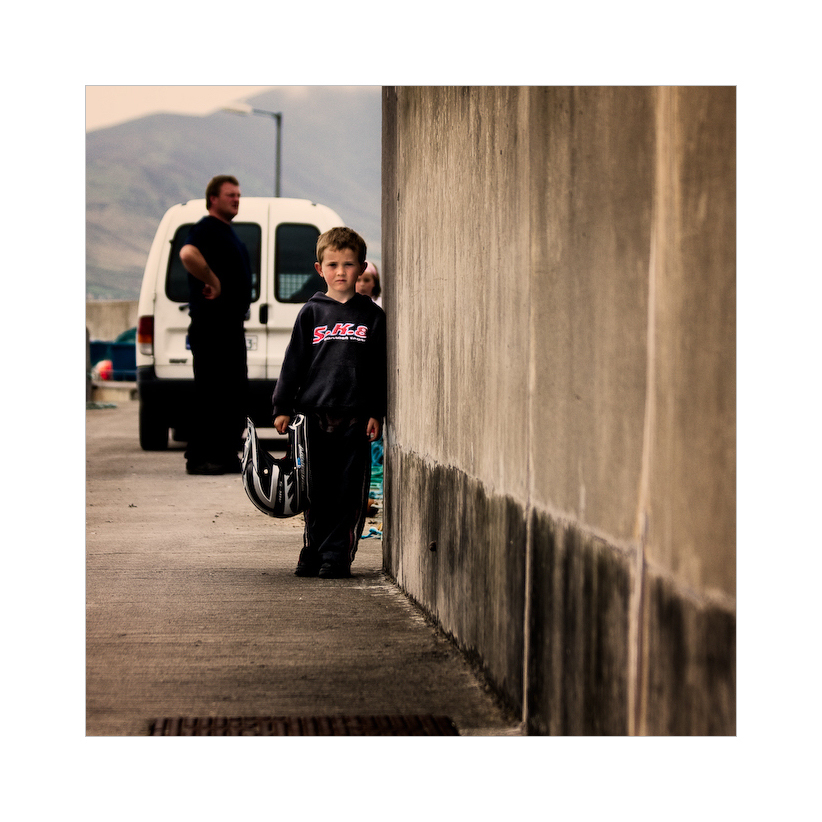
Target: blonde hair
{"points": [[339, 238]]}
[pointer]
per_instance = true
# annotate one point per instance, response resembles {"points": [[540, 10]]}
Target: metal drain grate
{"points": [[304, 726]]}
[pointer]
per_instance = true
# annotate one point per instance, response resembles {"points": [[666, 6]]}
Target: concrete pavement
{"points": [[193, 609]]}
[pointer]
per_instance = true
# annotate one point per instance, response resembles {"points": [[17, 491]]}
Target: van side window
{"points": [[176, 276], [295, 280]]}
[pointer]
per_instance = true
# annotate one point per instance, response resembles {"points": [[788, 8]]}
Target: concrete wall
{"points": [[560, 448], [107, 319]]}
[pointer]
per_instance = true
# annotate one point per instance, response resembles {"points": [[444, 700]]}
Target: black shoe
{"points": [[308, 563], [207, 468], [305, 569], [233, 467], [334, 570]]}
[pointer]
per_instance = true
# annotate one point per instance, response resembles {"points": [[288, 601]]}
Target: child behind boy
{"points": [[334, 372], [369, 283]]}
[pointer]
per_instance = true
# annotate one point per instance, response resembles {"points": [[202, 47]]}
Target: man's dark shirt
{"points": [[228, 258]]}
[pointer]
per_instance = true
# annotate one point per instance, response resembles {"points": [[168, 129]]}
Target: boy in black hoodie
{"points": [[334, 372]]}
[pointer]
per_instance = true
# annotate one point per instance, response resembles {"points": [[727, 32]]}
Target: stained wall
{"points": [[560, 446]]}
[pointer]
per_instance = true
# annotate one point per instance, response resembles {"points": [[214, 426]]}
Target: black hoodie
{"points": [[336, 359]]}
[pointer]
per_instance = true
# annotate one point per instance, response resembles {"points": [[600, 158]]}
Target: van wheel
{"points": [[153, 430]]}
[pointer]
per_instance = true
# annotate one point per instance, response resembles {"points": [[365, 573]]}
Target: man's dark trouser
{"points": [[340, 471], [220, 393]]}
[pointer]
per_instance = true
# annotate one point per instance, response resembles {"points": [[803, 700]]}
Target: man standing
{"points": [[219, 280]]}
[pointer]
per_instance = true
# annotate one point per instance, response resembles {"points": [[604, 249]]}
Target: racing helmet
{"points": [[278, 487]]}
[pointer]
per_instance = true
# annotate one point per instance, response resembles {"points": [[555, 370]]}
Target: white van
{"points": [[281, 236]]}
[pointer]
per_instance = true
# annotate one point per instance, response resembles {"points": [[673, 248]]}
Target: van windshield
{"points": [[177, 278], [296, 281]]}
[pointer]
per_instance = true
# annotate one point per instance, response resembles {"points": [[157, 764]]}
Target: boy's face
{"points": [[340, 270]]}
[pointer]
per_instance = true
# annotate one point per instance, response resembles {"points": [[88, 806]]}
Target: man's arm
{"points": [[194, 262]]}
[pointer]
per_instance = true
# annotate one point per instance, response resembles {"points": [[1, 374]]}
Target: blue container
{"points": [[123, 361], [98, 351]]}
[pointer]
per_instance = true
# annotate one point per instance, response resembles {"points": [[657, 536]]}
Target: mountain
{"points": [[331, 154]]}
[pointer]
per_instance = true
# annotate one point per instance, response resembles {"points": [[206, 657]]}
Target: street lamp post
{"points": [[245, 109]]}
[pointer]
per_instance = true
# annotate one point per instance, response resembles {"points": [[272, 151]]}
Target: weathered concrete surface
{"points": [[691, 494], [193, 609], [578, 629], [591, 199], [562, 348], [468, 585]]}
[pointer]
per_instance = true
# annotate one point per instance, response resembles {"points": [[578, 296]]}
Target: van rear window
{"points": [[295, 279], [177, 277]]}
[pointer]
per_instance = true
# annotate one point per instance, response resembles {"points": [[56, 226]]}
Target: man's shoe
{"points": [[205, 468], [333, 570]]}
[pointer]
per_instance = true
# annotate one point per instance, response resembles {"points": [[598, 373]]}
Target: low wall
{"points": [[560, 446], [107, 319]]}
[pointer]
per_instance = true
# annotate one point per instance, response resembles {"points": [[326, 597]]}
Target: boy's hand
{"points": [[373, 429], [281, 423]]}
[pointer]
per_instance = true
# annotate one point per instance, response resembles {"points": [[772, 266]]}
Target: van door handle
{"points": [[264, 314]]}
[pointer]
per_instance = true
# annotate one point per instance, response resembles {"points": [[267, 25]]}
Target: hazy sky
{"points": [[110, 105]]}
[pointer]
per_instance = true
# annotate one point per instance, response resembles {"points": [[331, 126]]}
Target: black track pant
{"points": [[340, 471], [220, 393]]}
